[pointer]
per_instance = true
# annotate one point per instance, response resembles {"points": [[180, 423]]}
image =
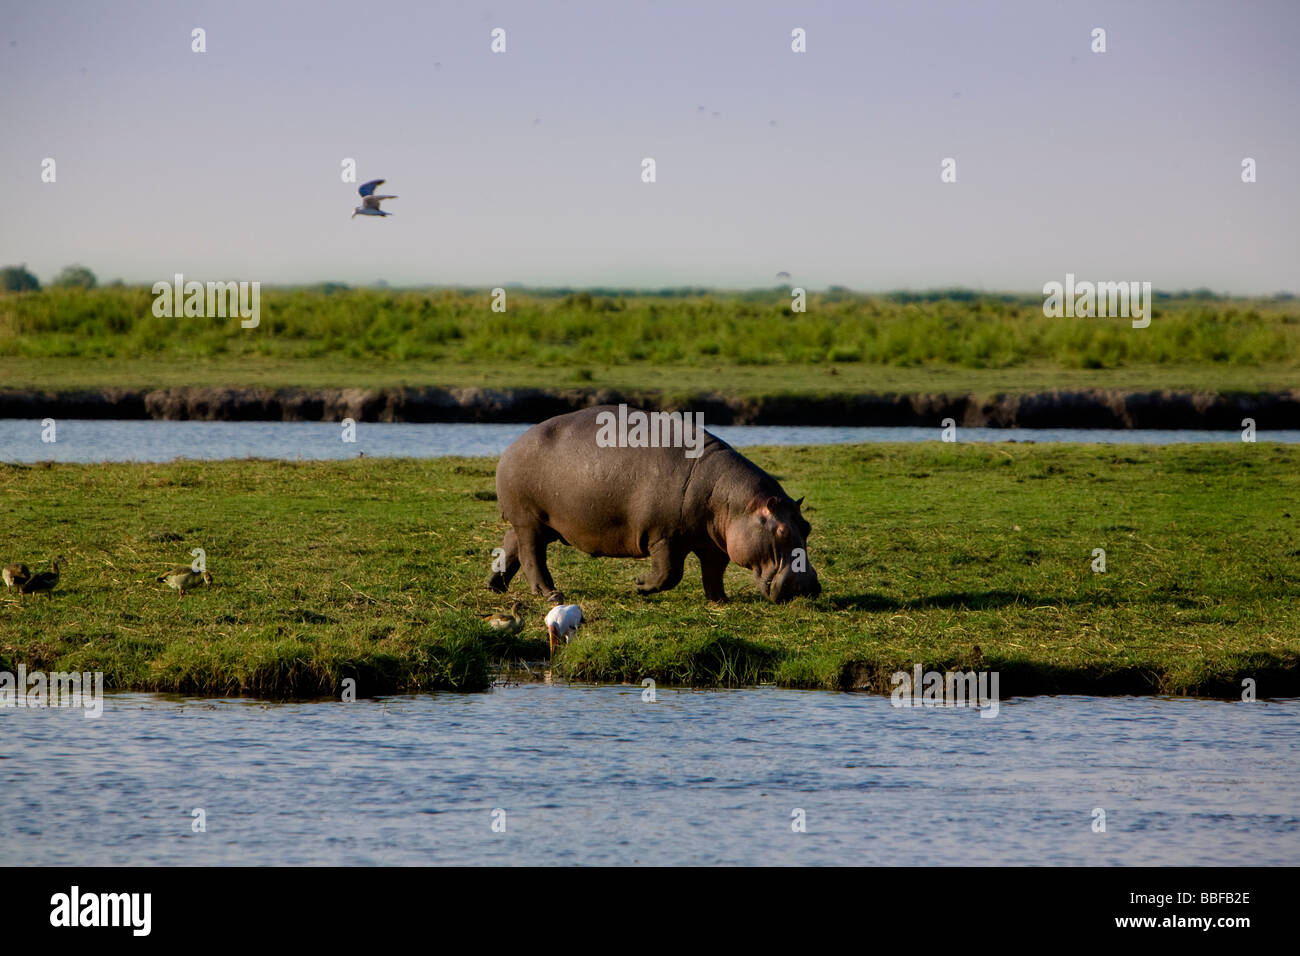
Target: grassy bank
{"points": [[374, 569], [741, 343]]}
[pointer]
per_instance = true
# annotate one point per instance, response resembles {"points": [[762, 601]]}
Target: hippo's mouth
{"points": [[781, 584]]}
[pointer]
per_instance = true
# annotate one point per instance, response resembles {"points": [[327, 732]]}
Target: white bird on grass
{"points": [[561, 622], [369, 201]]}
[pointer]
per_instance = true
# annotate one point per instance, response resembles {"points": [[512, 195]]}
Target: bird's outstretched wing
{"points": [[367, 189]]}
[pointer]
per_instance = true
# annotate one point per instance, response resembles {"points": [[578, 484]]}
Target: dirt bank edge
{"points": [[1095, 408]]}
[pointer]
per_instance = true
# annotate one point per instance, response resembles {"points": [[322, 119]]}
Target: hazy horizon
{"points": [[523, 168]]}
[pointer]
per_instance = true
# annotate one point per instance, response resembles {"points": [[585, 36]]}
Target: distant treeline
{"points": [[19, 279], [693, 327]]}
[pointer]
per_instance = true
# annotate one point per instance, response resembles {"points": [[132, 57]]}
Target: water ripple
{"points": [[593, 775]]}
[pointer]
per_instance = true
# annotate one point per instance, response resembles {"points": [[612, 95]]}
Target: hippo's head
{"points": [[771, 539]]}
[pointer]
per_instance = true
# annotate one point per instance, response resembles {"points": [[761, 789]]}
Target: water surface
{"points": [[82, 440], [595, 775]]}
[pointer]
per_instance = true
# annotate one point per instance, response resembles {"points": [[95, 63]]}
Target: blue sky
{"points": [[525, 166]]}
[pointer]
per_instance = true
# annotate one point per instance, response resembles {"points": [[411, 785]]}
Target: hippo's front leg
{"points": [[532, 557], [668, 562], [713, 562]]}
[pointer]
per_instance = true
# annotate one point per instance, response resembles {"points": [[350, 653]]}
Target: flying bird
{"points": [[369, 201], [561, 622]]}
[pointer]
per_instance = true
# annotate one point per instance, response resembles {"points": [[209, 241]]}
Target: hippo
{"points": [[563, 480]]}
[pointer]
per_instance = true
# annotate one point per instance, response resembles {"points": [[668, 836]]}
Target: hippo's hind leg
{"points": [[668, 561], [505, 565], [532, 542], [713, 561]]}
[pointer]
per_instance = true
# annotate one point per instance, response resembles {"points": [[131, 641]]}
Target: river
{"points": [[85, 441], [597, 775]]}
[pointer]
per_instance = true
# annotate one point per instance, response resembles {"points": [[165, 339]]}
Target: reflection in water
{"points": [[595, 775]]}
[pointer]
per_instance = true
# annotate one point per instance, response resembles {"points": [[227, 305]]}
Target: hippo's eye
{"points": [[782, 532]]}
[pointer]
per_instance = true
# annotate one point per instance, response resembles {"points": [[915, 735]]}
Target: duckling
{"points": [[16, 575], [183, 576], [46, 581], [511, 623]]}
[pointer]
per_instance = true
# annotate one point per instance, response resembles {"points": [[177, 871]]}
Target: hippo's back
{"points": [[605, 500]]}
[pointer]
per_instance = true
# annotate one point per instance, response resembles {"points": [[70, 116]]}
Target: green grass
{"points": [[742, 343], [375, 569]]}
